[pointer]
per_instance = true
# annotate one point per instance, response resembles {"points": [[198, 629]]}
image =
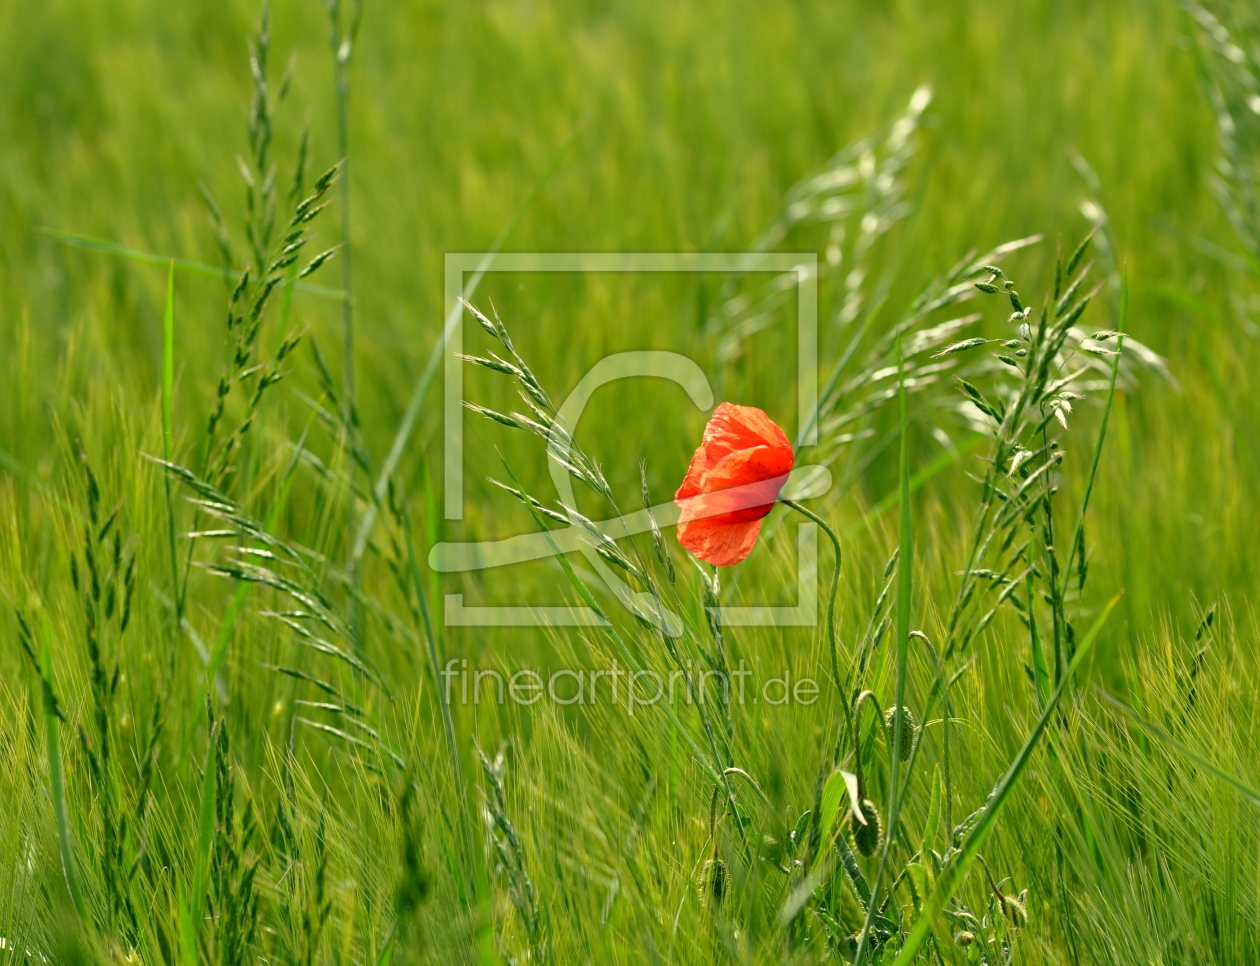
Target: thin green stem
{"points": [[831, 598], [343, 149], [1078, 535], [168, 410]]}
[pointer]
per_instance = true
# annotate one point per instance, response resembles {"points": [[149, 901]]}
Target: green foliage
{"points": [[225, 733]]}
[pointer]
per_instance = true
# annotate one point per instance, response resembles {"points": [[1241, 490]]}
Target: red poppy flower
{"points": [[732, 483]]}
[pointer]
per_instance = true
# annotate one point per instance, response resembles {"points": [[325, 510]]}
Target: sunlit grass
{"points": [[237, 749]]}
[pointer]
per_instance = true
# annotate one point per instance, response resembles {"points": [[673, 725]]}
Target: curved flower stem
{"points": [[835, 583]]}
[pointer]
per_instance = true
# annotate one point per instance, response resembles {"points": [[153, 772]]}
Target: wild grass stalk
{"points": [[831, 592]]}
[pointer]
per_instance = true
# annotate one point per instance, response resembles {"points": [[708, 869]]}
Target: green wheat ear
{"points": [[866, 837]]}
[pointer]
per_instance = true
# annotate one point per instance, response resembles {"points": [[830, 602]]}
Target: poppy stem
{"points": [[835, 583]]}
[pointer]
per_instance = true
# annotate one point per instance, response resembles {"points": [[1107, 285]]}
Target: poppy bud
{"points": [[713, 882], [908, 729], [1015, 909], [866, 838], [964, 938]]}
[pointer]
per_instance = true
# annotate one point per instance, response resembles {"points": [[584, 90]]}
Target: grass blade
{"points": [[89, 243], [1078, 536], [168, 420], [52, 726], [168, 361], [1200, 760], [840, 788], [201, 861], [1040, 671], [435, 664], [905, 587], [955, 871]]}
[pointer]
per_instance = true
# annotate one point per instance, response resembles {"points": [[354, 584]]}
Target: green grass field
{"points": [[225, 736]]}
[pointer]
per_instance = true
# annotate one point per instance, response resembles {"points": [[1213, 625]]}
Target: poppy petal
{"points": [[722, 545], [742, 487], [732, 428], [761, 464], [691, 483]]}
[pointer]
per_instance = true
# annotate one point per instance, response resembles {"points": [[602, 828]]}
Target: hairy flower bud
{"points": [[908, 728], [713, 882], [1016, 909], [866, 837]]}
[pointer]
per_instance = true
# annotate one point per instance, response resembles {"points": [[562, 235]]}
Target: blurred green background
{"points": [[689, 122]]}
